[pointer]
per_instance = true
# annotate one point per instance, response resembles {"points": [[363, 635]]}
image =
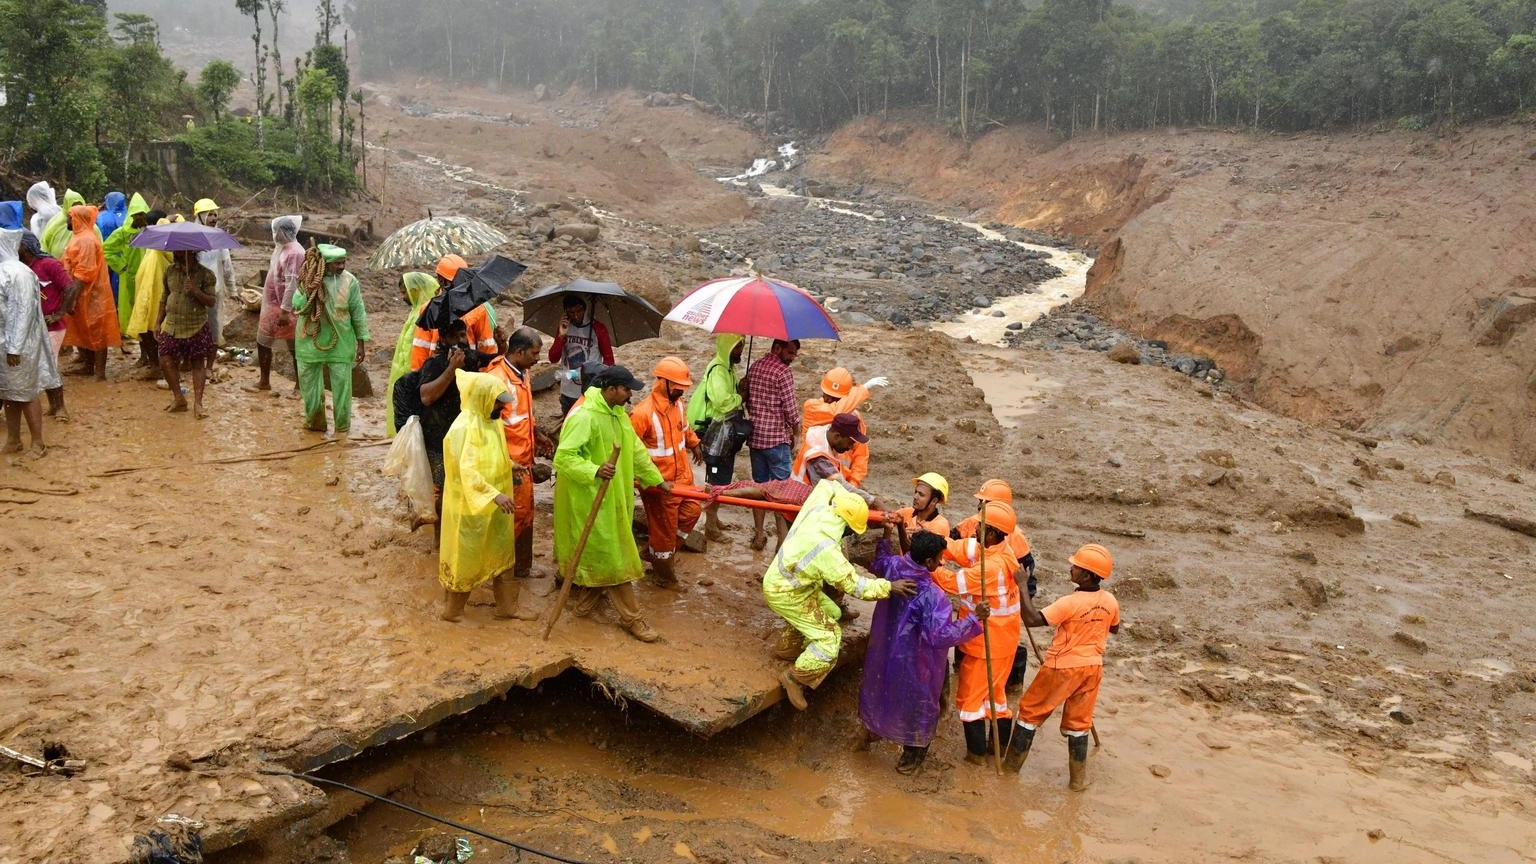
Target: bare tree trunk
{"points": [[274, 9]]}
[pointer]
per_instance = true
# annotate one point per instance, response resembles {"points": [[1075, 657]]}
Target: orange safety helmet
{"points": [[995, 490], [449, 266], [838, 382], [675, 370], [1095, 559], [999, 515]]}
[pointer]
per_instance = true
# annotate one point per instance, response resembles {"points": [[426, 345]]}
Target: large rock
{"points": [[582, 231], [1504, 318], [1125, 352]]}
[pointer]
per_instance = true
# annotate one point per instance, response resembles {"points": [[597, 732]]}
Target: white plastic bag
{"points": [[407, 459]]}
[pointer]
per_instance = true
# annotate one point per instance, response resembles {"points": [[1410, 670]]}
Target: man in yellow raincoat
{"points": [[610, 564], [478, 534], [810, 557]]}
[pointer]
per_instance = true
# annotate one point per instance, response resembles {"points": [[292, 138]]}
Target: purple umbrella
{"points": [[184, 237]]}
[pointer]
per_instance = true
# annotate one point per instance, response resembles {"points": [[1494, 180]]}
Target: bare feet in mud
{"points": [[199, 411], [257, 388], [759, 541], [179, 406]]}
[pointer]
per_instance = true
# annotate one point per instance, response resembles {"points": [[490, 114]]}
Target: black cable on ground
{"points": [[425, 815]]}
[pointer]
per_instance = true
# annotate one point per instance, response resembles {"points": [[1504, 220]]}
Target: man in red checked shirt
{"points": [[774, 411]]}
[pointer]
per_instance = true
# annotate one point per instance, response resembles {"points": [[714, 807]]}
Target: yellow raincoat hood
{"points": [[477, 537]]}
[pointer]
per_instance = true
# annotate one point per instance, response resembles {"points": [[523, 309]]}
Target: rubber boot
{"points": [[911, 760], [1018, 748], [793, 690], [453, 605], [662, 572], [975, 741], [1004, 732], [522, 566], [1077, 762], [642, 631], [505, 589]]}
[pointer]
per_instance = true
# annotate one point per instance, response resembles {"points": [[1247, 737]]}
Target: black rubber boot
{"points": [[976, 741], [1017, 671], [1077, 762], [911, 759], [1004, 734], [1018, 748]]}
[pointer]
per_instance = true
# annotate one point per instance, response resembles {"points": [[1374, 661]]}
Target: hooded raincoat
{"points": [[419, 290], [717, 394], [93, 325], [40, 197], [12, 217], [277, 321], [108, 220], [22, 330], [810, 557], [477, 537], [148, 292], [123, 258], [57, 232], [586, 441], [908, 653]]}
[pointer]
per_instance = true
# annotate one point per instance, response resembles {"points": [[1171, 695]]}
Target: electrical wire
{"points": [[424, 814]]}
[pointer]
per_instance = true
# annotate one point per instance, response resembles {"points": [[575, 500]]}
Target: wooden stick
{"points": [[581, 546], [986, 641]]}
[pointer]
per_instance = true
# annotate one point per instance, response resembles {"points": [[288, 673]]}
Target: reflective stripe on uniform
{"points": [[858, 586], [661, 450], [422, 343], [999, 709], [820, 654]]}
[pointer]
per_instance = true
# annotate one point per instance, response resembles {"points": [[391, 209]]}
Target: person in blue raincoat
{"points": [[114, 212], [12, 216]]}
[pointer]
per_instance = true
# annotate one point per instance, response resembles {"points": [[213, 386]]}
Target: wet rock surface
{"points": [[1071, 326]]}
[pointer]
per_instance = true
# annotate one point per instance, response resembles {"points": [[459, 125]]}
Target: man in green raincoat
{"points": [[418, 290], [717, 397], [332, 335], [56, 233], [810, 557], [123, 259], [610, 564]]}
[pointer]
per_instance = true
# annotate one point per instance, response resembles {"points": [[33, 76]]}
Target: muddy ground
{"points": [[1323, 657]]}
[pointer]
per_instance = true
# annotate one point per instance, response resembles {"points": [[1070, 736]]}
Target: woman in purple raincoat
{"points": [[909, 642]]}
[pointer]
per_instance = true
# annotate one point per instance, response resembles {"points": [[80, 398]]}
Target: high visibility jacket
{"points": [[1018, 544], [517, 417], [998, 580], [814, 445], [812, 555], [663, 427], [482, 337], [819, 412]]}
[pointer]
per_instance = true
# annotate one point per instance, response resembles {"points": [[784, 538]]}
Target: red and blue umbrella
{"points": [[755, 306], [184, 237]]}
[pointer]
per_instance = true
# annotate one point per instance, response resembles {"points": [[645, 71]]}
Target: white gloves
{"points": [[877, 381]]}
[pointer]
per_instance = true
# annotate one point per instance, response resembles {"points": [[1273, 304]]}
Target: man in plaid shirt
{"points": [[775, 412]]}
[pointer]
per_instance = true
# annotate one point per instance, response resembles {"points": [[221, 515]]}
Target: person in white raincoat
{"points": [[28, 368]]}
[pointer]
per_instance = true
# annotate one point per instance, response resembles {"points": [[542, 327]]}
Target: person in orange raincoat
{"points": [[990, 573], [1074, 665], [661, 423], [91, 318], [839, 395], [524, 440], [477, 321]]}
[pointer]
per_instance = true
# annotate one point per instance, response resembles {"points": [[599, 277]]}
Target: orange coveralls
{"points": [[1074, 665], [1003, 627], [518, 425], [481, 338], [664, 429]]}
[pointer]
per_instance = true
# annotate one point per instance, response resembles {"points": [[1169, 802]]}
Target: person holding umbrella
{"points": [[610, 564], [580, 337], [182, 332], [332, 335], [477, 321]]}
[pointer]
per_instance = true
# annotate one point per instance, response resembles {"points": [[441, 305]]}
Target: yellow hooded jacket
{"points": [[477, 537]]}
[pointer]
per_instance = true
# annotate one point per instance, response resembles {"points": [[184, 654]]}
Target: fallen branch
{"points": [[61, 491], [1513, 523]]}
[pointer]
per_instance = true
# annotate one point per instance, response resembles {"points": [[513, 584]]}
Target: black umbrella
{"points": [[471, 287], [627, 317]]}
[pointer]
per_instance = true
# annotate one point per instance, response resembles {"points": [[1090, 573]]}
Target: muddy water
{"points": [[562, 769]]}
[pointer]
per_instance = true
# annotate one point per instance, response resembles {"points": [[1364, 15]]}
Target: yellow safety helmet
{"points": [[936, 482], [852, 509], [203, 205]]}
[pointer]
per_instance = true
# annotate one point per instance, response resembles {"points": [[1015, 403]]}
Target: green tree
{"points": [[48, 50], [216, 85], [254, 8]]}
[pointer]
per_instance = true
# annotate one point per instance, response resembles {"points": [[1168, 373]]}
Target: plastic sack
{"points": [[407, 459], [723, 438]]}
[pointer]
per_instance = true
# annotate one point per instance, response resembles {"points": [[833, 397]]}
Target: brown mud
{"points": [[1319, 646]]}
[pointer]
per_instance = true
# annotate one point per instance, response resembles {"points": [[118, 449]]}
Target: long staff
{"points": [[986, 643], [581, 546]]}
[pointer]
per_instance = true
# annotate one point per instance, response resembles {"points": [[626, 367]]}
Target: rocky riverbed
{"points": [[1070, 326]]}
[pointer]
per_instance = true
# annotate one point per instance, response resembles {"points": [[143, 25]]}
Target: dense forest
{"points": [[1073, 64]]}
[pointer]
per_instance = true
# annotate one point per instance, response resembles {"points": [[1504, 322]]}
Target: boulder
{"points": [[1506, 316], [1125, 352], [585, 232]]}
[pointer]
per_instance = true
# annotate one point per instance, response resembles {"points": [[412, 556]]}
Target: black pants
{"points": [[566, 402]]}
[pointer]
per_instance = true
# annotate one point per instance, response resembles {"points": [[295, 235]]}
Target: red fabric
{"points": [[55, 281], [777, 491], [771, 403], [599, 332]]}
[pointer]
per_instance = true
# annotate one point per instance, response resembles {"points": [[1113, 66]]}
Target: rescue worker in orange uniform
{"points": [[928, 492], [662, 424], [477, 321], [991, 572], [1074, 665], [524, 440], [1018, 544], [839, 395]]}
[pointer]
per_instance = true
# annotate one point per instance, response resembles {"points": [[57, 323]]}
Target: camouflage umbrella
{"points": [[421, 243]]}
